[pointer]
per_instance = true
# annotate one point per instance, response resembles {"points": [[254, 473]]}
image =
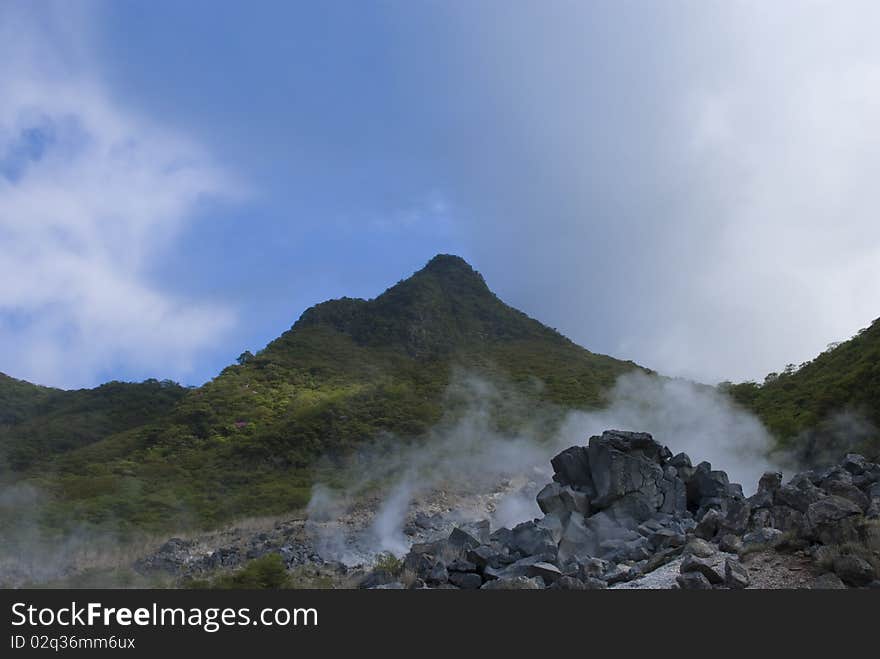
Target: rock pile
{"points": [[623, 506]]}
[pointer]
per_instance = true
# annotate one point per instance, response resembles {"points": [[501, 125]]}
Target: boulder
{"points": [[800, 494], [700, 548], [484, 555], [730, 543], [762, 538], [514, 583], [572, 467], [736, 576], [693, 581], [854, 463], [848, 491], [462, 540], [712, 570], [530, 538], [709, 524], [550, 500], [625, 473], [465, 580], [854, 570], [835, 520]]}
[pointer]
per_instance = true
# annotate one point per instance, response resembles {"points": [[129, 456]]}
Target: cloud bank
{"points": [[687, 184], [90, 196]]}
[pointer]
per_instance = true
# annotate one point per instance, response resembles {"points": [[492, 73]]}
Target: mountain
{"points": [[251, 441], [37, 422], [826, 406]]}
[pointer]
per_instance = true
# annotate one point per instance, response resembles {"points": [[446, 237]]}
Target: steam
{"points": [[468, 469]]}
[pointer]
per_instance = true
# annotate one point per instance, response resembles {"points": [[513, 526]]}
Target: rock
{"points": [[706, 484], [376, 579], [513, 583], [572, 467], [762, 538], [525, 567], [854, 570], [700, 548], [550, 500], [736, 521], [854, 463], [681, 460], [799, 494], [578, 540], [730, 543], [666, 538], [462, 540], [790, 521], [848, 491], [554, 525], [593, 568], [693, 581], [709, 524], [531, 538], [711, 570], [626, 472], [465, 580], [575, 501], [736, 576], [835, 520], [484, 555], [460, 565], [547, 571], [827, 581], [437, 574]]}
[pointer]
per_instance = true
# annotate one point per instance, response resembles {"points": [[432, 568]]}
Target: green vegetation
{"points": [[252, 440], [830, 404], [265, 573]]}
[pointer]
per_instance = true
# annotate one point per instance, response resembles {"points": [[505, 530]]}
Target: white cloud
{"points": [[90, 196], [691, 185]]}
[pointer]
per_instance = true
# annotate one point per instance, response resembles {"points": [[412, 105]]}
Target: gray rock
{"points": [[762, 538], [709, 524], [700, 548], [847, 491], [854, 463], [572, 467], [575, 501], [513, 583], [465, 580], [736, 576], [693, 581], [485, 555], [462, 540], [835, 520], [550, 500], [730, 543], [578, 540], [713, 571], [854, 570], [460, 565], [547, 571], [799, 498], [618, 474], [531, 538]]}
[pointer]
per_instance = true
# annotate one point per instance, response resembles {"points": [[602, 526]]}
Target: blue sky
{"points": [[686, 184]]}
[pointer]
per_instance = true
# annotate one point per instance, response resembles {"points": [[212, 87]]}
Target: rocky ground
{"points": [[621, 512]]}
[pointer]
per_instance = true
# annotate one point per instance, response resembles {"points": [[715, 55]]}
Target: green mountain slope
{"points": [[37, 423], [828, 405], [348, 372]]}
